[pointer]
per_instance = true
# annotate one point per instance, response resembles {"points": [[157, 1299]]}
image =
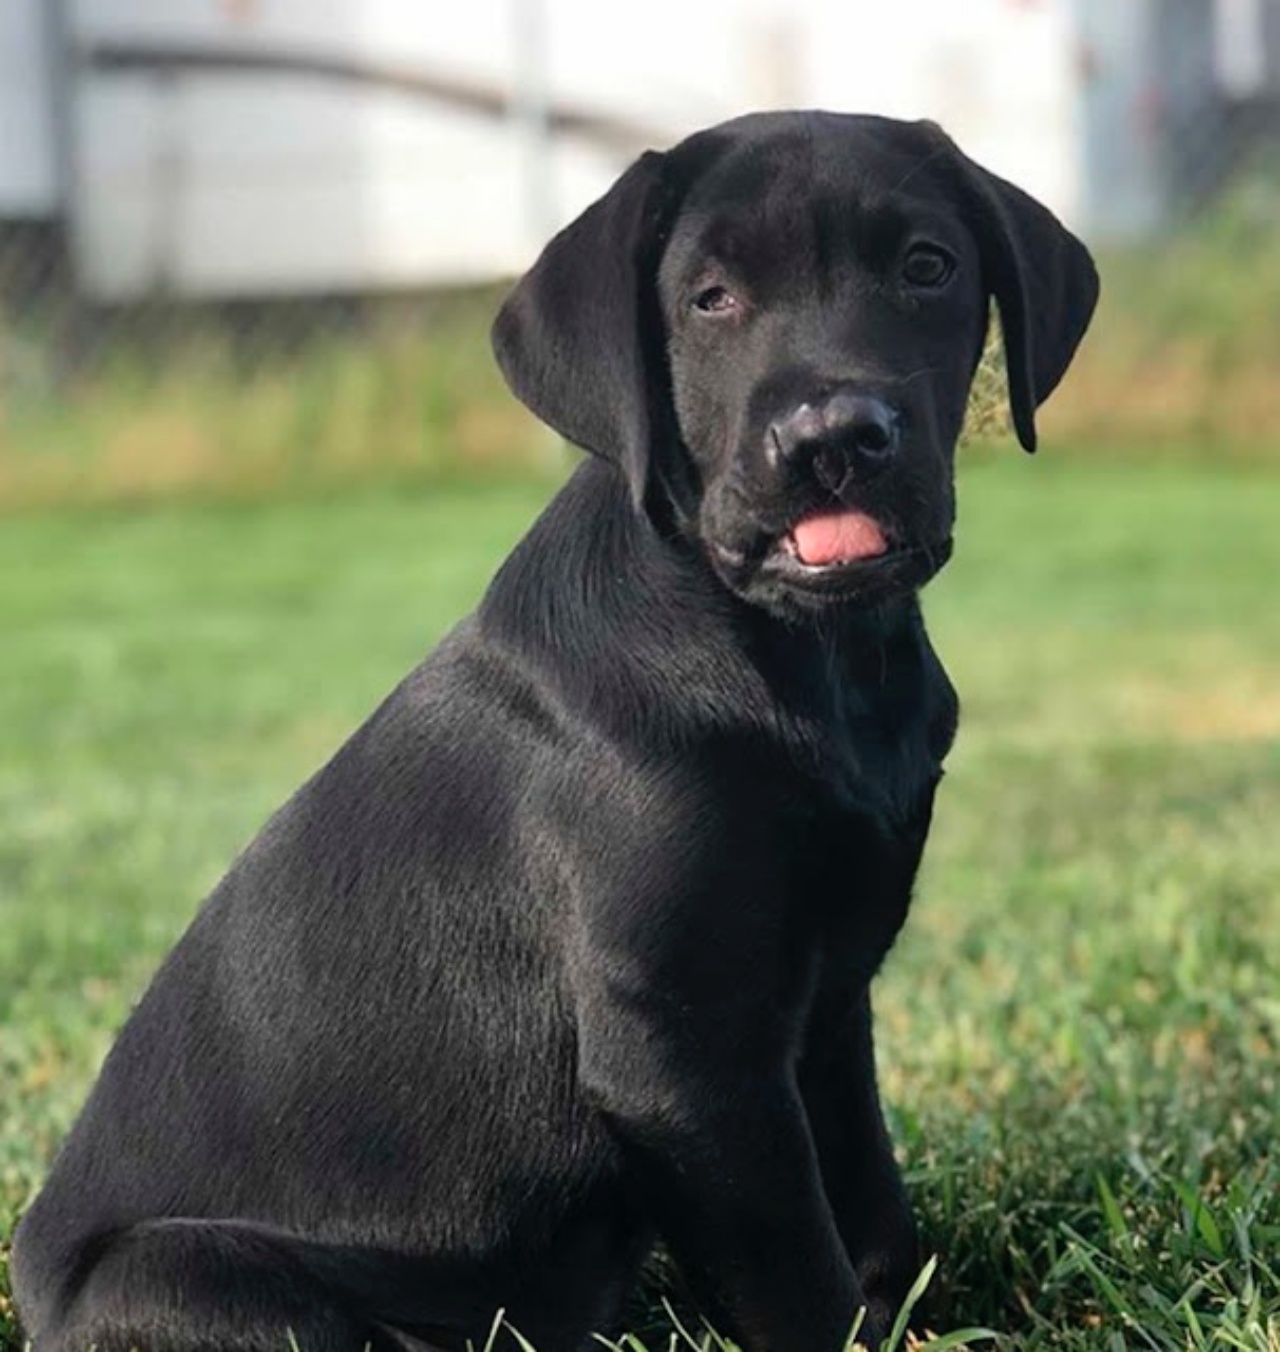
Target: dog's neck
{"points": [[595, 599]]}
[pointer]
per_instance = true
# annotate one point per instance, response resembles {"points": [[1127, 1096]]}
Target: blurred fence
{"points": [[162, 393]]}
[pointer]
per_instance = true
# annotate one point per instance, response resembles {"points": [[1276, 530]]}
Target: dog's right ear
{"points": [[579, 340]]}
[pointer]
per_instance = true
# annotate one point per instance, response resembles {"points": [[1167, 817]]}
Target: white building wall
{"points": [[28, 162], [251, 184], [999, 75]]}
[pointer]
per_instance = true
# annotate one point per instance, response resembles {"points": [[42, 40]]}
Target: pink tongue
{"points": [[837, 537]]}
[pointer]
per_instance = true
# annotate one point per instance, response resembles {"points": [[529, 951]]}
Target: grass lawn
{"points": [[1080, 1029]]}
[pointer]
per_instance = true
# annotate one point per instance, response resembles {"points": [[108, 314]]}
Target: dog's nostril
{"points": [[863, 422], [875, 437]]}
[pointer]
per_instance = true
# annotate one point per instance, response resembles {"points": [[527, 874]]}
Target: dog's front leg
{"points": [[722, 1157], [859, 1174]]}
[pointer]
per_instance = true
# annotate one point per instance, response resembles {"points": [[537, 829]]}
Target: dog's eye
{"points": [[927, 265], [715, 300]]}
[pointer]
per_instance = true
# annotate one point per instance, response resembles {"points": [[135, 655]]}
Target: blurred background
{"points": [[244, 242], [255, 458]]}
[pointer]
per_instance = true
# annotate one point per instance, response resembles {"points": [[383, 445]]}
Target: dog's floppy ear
{"points": [[1044, 283], [579, 340]]}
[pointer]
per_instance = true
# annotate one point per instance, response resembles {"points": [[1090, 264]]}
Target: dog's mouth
{"points": [[835, 537], [838, 548], [832, 552], [852, 558]]}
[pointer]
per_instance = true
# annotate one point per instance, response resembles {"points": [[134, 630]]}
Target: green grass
{"points": [[1080, 1027]]}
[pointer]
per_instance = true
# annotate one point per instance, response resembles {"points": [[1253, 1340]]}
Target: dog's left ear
{"points": [[1043, 280], [579, 339]]}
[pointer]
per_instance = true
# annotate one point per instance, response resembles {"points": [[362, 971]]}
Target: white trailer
{"points": [[258, 148]]}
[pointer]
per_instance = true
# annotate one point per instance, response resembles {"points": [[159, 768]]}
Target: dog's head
{"points": [[772, 328]]}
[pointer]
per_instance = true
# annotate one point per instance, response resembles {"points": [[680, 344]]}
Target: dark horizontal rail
{"points": [[485, 100]]}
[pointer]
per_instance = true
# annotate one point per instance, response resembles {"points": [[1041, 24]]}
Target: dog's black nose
{"points": [[848, 432]]}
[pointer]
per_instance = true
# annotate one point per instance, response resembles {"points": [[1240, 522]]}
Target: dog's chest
{"points": [[851, 879], [869, 735], [859, 836], [874, 758]]}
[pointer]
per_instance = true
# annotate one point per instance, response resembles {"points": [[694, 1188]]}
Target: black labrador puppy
{"points": [[568, 949]]}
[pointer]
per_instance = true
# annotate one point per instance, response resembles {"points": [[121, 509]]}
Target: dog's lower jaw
{"points": [[783, 585]]}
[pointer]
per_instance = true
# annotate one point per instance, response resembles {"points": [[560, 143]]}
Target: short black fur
{"points": [[568, 950]]}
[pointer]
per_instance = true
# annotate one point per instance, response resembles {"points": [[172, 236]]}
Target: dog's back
{"points": [[364, 1037]]}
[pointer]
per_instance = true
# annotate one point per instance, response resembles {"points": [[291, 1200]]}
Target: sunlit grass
{"points": [[1080, 1029]]}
